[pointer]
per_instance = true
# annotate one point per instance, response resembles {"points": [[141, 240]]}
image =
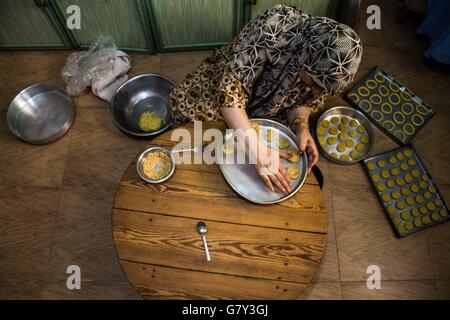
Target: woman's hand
{"points": [[306, 142], [271, 169]]}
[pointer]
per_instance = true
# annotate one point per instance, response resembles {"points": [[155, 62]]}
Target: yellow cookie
{"points": [[354, 123], [341, 147], [342, 136], [392, 160], [360, 147], [295, 156], [364, 139], [333, 131], [270, 135], [334, 120], [395, 194], [284, 143], [355, 154], [405, 215], [321, 131], [325, 123], [256, 126], [228, 147], [381, 163], [349, 143], [407, 153], [361, 129], [342, 127], [410, 201], [390, 183], [331, 140], [293, 172]]}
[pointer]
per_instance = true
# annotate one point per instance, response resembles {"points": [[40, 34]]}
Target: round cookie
{"points": [[331, 140], [294, 155], [228, 147], [283, 143], [360, 147], [270, 135], [321, 131], [333, 131], [325, 123], [341, 147], [355, 155], [293, 172]]}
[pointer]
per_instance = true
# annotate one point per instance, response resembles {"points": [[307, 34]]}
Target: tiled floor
{"points": [[55, 200]]}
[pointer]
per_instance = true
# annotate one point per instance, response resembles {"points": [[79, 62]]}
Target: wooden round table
{"points": [[257, 251]]}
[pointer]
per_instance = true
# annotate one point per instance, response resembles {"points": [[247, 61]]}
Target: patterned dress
{"points": [[259, 69]]}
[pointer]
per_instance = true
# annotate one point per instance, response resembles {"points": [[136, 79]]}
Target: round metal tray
{"points": [[354, 114], [245, 180]]}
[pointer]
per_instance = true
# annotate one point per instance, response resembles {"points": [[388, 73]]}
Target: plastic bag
{"points": [[103, 67]]}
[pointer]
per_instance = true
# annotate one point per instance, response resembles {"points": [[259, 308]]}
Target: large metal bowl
{"points": [[41, 113], [146, 92]]}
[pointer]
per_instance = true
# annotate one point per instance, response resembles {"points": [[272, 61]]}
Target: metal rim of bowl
{"points": [[147, 151], [57, 135], [140, 134], [369, 132]]}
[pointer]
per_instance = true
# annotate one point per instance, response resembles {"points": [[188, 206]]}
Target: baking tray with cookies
{"points": [[406, 190], [390, 105]]}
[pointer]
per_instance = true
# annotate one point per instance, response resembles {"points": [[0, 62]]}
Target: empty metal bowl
{"points": [[147, 92], [139, 164], [41, 113]]}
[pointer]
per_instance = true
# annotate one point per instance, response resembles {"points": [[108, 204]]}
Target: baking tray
{"points": [[408, 194], [390, 105], [245, 180], [352, 131]]}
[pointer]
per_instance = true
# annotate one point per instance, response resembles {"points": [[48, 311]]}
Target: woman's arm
{"points": [[298, 120], [269, 166]]}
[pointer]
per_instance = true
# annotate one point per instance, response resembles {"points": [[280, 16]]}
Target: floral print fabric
{"points": [[258, 70]]}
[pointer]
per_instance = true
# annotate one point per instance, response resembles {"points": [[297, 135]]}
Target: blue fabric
{"points": [[437, 27]]}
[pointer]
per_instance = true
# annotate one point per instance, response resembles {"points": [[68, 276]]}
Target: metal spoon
{"points": [[201, 227], [187, 149]]}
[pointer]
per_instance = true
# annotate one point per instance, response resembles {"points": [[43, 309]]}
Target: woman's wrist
{"points": [[299, 118], [300, 127], [299, 124]]}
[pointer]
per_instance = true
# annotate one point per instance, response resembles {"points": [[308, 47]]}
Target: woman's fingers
{"points": [[283, 181], [268, 182], [302, 145], [285, 174], [277, 183], [314, 155], [285, 155]]}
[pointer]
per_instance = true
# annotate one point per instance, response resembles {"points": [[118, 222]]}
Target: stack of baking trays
{"points": [[401, 181]]}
